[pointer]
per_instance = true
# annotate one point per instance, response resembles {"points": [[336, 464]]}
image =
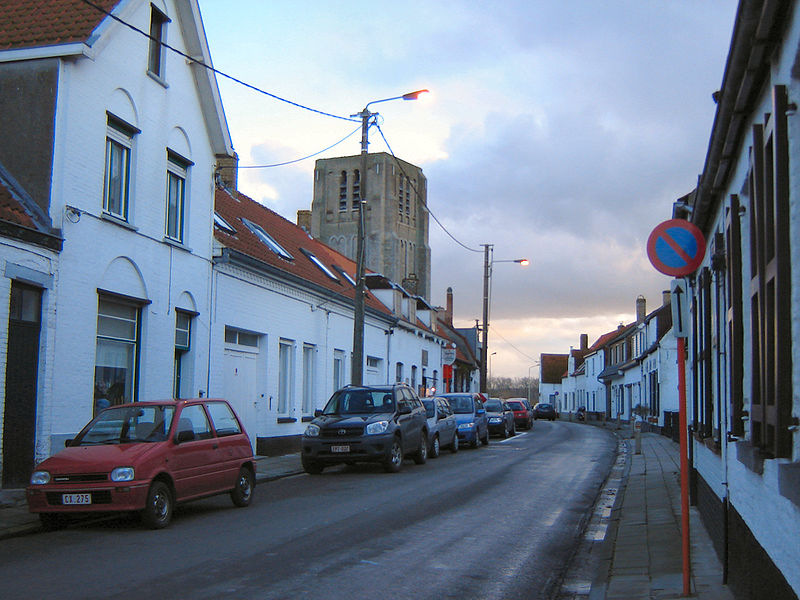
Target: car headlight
{"points": [[466, 426], [122, 474], [378, 427], [40, 478], [312, 430]]}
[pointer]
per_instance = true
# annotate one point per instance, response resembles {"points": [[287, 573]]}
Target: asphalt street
{"points": [[494, 522]]}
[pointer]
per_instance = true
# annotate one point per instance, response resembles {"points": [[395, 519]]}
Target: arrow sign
{"points": [[676, 247], [680, 308]]}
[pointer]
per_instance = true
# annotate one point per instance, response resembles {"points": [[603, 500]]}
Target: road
{"points": [[495, 522]]}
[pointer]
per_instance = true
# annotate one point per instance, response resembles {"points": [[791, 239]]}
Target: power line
{"points": [[212, 69], [416, 191], [289, 162], [494, 330]]}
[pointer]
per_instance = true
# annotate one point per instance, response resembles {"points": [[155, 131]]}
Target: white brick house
{"points": [[132, 132]]}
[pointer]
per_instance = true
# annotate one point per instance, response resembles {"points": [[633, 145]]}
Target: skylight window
{"points": [[319, 264], [345, 274], [223, 224], [267, 240]]}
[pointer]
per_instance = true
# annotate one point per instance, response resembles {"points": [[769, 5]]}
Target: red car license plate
{"points": [[76, 499], [340, 448]]}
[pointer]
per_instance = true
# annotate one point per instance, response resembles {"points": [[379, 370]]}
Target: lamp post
{"points": [[536, 364], [488, 261], [357, 365]]}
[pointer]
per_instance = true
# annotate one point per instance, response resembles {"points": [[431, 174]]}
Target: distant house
{"points": [[108, 145], [552, 368]]}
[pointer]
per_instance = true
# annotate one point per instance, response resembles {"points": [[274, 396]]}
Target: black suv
{"points": [[367, 424]]}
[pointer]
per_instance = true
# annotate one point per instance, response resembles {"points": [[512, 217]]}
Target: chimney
{"points": [[666, 297], [641, 309], [227, 174], [584, 342], [304, 220], [448, 311], [411, 284]]}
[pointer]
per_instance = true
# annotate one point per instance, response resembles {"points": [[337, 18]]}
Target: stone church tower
{"points": [[396, 222]]}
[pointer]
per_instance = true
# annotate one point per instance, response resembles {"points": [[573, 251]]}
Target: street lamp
{"points": [[490, 364], [357, 366], [536, 364], [488, 261]]}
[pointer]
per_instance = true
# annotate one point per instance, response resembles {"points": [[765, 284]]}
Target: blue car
{"points": [[473, 424]]}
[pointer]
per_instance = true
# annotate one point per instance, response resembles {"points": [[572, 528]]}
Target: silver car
{"points": [[442, 426]]}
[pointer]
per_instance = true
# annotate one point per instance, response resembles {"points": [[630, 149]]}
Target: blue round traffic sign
{"points": [[676, 247]]}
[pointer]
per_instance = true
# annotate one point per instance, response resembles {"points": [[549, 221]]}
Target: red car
{"points": [[523, 413], [146, 457]]}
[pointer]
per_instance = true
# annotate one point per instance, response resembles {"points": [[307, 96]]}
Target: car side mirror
{"points": [[404, 409], [318, 412], [68, 443], [187, 435]]}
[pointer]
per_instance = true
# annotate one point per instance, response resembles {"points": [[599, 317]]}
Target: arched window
{"points": [[343, 191], [356, 188]]}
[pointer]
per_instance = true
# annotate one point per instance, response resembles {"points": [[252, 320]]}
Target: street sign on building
{"points": [[676, 247], [448, 355]]}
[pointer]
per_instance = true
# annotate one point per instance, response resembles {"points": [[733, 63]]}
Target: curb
{"points": [[600, 581]]}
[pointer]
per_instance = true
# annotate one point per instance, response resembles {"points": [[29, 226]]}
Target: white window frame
{"points": [[309, 370], [119, 138], [175, 218], [285, 376]]}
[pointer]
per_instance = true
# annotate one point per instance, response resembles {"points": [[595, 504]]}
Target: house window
{"points": [[399, 372], [177, 168], [309, 354], [241, 338], [183, 338], [319, 264], [158, 30], [285, 376], [338, 369], [400, 198], [117, 352], [770, 284], [267, 239], [119, 142]]}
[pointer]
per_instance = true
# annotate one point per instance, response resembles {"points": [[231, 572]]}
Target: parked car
{"points": [[523, 413], [442, 426], [473, 424], [146, 457], [542, 410], [501, 417], [367, 424]]}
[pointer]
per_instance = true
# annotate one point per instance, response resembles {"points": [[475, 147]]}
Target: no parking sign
{"points": [[676, 247]]}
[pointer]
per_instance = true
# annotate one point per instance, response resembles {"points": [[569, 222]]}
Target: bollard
{"points": [[637, 436]]}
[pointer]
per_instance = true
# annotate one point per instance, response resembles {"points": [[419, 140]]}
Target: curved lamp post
{"points": [[488, 261], [357, 365]]}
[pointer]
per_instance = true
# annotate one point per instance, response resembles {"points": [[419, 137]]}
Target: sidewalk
{"points": [[15, 520], [642, 554]]}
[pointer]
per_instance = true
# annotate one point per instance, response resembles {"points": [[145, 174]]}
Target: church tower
{"points": [[396, 221]]}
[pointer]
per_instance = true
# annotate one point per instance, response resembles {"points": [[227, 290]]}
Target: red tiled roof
{"points": [[32, 23], [607, 337], [291, 237], [11, 210]]}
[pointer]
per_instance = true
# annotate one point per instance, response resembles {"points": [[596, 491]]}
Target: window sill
{"points": [[750, 456], [157, 79], [287, 420], [117, 221], [307, 419], [176, 244]]}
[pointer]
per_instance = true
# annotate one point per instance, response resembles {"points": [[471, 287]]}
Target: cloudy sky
{"points": [[557, 130]]}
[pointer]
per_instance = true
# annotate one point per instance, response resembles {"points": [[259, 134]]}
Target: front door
{"points": [[22, 368], [240, 370]]}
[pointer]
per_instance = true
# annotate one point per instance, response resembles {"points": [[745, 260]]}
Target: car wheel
{"points": [[421, 455], [52, 521], [513, 429], [506, 431], [311, 467], [242, 494], [474, 443], [435, 448], [395, 458], [485, 440], [157, 511], [454, 445]]}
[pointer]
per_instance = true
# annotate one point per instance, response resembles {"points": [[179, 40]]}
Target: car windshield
{"points": [[360, 402], [461, 405], [126, 425], [544, 407], [493, 406], [516, 405], [430, 409]]}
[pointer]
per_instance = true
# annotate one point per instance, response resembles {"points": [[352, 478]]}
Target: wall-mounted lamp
{"points": [[73, 214], [791, 109]]}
